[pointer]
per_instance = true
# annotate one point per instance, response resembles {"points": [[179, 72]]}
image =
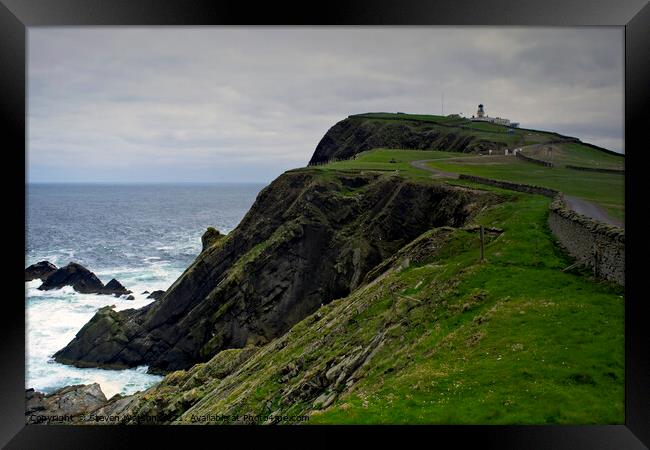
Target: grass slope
{"points": [[514, 340], [387, 160], [438, 338], [578, 155]]}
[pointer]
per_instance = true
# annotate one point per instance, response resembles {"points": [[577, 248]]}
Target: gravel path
{"points": [[590, 209], [422, 164]]}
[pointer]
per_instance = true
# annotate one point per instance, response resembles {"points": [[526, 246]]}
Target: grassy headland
{"points": [[429, 333]]}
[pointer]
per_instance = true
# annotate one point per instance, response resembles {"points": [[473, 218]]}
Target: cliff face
{"points": [[357, 134], [308, 239]]}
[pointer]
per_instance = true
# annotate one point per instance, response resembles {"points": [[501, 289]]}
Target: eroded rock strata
{"points": [[307, 240], [66, 405]]}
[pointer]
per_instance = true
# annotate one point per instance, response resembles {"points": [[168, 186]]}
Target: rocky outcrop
{"points": [[75, 275], [180, 390], [156, 295], [115, 287], [103, 335], [360, 133], [211, 236], [278, 266], [81, 279], [39, 270], [70, 404]]}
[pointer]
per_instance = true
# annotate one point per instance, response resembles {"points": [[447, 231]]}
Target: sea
{"points": [[144, 235]]}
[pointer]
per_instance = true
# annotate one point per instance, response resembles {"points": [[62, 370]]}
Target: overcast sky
{"points": [[131, 104]]}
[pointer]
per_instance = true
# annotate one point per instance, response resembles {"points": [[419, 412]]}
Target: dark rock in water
{"points": [[98, 340], [130, 297], [156, 295], [82, 280], [145, 292], [305, 242], [39, 270], [66, 405], [75, 275], [210, 236], [115, 287]]}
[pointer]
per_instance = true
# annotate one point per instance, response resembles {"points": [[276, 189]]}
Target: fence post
{"points": [[482, 244]]}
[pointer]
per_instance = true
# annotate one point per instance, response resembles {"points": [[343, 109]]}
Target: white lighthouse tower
{"points": [[480, 113]]}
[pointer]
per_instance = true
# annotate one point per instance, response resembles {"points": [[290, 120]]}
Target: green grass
{"points": [[605, 189], [463, 126], [380, 160], [536, 345], [418, 117], [487, 126], [579, 155]]}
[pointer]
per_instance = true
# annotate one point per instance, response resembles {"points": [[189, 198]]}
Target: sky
{"points": [[244, 104]]}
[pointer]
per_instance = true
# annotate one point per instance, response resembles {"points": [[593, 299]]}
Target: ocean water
{"points": [[142, 235]]}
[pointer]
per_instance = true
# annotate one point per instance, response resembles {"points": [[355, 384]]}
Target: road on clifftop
{"points": [[422, 164], [590, 209]]}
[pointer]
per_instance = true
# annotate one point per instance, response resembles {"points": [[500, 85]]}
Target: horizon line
{"points": [[147, 182]]}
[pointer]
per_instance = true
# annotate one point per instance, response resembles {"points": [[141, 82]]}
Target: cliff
{"points": [[356, 134], [309, 238], [437, 336]]}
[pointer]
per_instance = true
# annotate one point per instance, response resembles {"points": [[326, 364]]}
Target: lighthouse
{"points": [[480, 113]]}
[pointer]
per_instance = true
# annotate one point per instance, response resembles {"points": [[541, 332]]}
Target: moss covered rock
{"points": [[308, 239]]}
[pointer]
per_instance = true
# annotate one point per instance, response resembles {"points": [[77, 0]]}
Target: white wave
{"points": [[54, 317]]}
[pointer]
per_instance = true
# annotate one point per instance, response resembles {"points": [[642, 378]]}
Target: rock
{"points": [[115, 287], [66, 405], [116, 407], [39, 270], [130, 297], [98, 341], [210, 236], [145, 292], [324, 400], [34, 401], [81, 279], [156, 295], [75, 275], [302, 244]]}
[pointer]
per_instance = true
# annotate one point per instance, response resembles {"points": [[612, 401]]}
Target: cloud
{"points": [[245, 104]]}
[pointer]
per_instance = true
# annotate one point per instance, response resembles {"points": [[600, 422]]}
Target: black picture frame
{"points": [[634, 15]]}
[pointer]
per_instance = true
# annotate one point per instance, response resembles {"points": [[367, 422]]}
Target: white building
{"points": [[483, 117]]}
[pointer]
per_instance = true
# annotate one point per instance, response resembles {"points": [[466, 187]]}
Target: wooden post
{"points": [[482, 244]]}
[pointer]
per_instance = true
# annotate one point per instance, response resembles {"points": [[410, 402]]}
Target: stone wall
{"points": [[533, 160], [529, 189], [596, 169], [596, 245]]}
